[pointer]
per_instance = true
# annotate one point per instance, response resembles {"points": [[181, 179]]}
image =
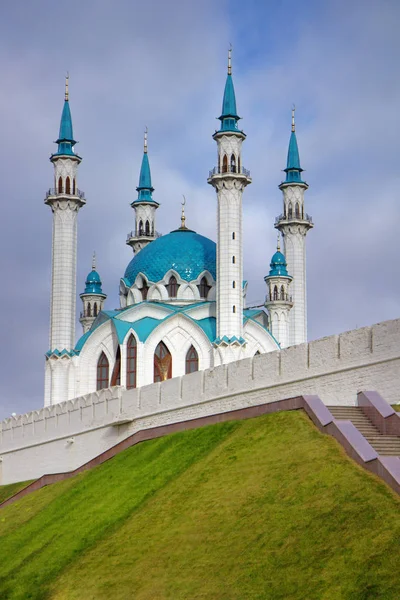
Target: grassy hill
{"points": [[266, 508]]}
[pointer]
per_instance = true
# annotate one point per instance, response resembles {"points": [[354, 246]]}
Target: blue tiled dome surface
{"points": [[184, 251]]}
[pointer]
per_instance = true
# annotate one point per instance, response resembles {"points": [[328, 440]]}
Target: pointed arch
{"points": [[297, 211], [275, 292], [145, 290], [74, 186], [282, 292], [172, 287], [204, 288], [103, 368], [140, 227], [116, 374], [131, 362], [233, 164], [60, 185], [68, 186], [192, 360], [290, 211], [89, 310], [162, 363], [225, 164], [95, 311], [147, 228]]}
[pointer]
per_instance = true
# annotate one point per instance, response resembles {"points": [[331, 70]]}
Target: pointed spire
{"points": [[229, 116], [278, 243], [183, 218], [65, 139], [94, 261], [293, 169], [144, 189]]}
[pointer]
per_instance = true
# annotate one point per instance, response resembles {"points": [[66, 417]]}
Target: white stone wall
{"points": [[65, 436]]}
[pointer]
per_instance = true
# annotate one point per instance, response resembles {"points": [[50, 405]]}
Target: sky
{"points": [[162, 64]]}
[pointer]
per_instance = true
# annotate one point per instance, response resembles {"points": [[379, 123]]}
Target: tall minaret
{"points": [[145, 207], [229, 179], [278, 300], [294, 224], [65, 200]]}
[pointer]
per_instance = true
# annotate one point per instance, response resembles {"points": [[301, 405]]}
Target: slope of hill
{"points": [[267, 508]]}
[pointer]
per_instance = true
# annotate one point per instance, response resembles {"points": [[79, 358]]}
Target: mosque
{"points": [[182, 296]]}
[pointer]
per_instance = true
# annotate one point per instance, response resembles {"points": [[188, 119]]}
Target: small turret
{"points": [[92, 298], [278, 300], [144, 206]]}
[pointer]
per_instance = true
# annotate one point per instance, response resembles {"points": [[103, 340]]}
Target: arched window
{"points": [[233, 235], [131, 356], [290, 213], [233, 163], [204, 288], [102, 372], [225, 164], [140, 227], [297, 211], [147, 228], [89, 310], [275, 293], [239, 165], [162, 363], [233, 308], [95, 309], [68, 186], [116, 374], [192, 360], [172, 287], [60, 185], [74, 186], [282, 292], [233, 284], [144, 290], [233, 260]]}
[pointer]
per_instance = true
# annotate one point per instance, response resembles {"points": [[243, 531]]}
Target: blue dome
{"points": [[93, 283], [278, 265], [183, 250]]}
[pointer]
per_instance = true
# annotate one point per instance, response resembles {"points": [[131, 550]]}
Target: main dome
{"points": [[183, 250]]}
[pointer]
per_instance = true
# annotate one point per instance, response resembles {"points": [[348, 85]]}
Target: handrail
{"points": [[62, 192], [229, 169]]}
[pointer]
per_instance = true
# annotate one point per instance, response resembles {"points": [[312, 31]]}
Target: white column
{"points": [[294, 227]]}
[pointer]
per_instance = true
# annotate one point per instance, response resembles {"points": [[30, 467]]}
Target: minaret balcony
{"points": [[142, 236], [229, 170], [305, 219], [61, 191], [280, 298]]}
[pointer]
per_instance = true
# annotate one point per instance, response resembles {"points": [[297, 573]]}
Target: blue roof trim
{"points": [[225, 341], [184, 251], [293, 169], [229, 116], [264, 328], [59, 353], [65, 139]]}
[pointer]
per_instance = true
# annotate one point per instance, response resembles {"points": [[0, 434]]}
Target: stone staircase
{"points": [[386, 445]]}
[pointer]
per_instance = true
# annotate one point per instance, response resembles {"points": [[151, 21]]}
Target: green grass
{"points": [[6, 491], [266, 508]]}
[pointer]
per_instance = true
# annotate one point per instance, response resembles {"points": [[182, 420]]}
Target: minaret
{"points": [[229, 179], [278, 300], [65, 200], [92, 298], [145, 207], [294, 224]]}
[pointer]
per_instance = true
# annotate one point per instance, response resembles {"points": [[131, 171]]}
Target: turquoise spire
{"points": [[66, 137], [145, 189], [229, 116], [278, 265], [93, 281], [293, 169]]}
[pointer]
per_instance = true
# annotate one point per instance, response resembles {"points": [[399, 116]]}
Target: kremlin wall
{"points": [[64, 436]]}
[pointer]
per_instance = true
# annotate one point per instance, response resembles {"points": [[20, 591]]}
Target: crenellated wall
{"points": [[64, 436]]}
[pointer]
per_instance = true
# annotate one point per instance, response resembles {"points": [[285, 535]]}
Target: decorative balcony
{"points": [[61, 191], [278, 298], [294, 217], [229, 169], [143, 234]]}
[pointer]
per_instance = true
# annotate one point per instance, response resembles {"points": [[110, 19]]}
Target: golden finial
{"points": [[66, 87], [145, 140], [278, 242], [293, 123], [94, 261], [183, 218], [230, 60]]}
